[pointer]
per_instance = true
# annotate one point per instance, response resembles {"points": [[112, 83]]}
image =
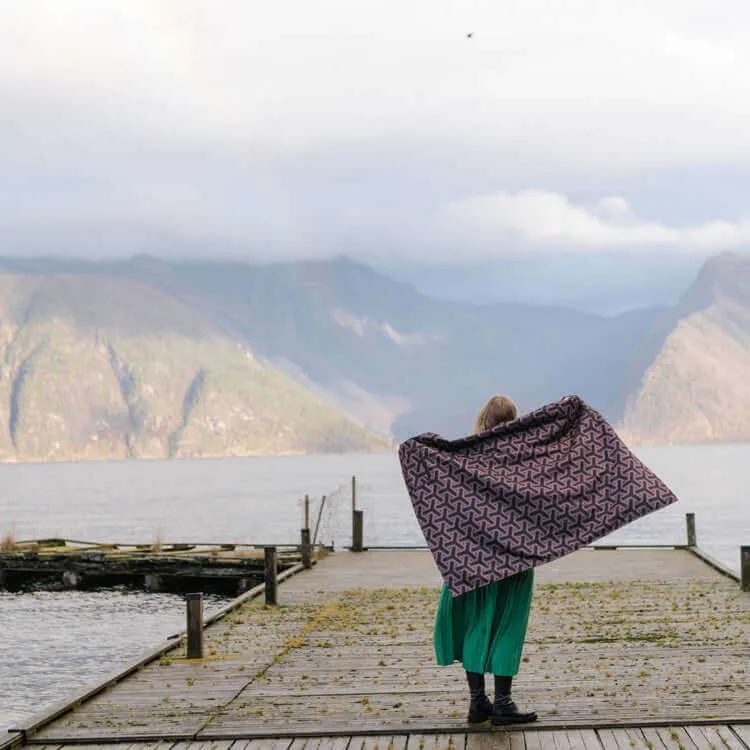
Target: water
{"points": [[53, 642]]}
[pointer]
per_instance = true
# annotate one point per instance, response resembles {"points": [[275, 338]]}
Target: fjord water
{"points": [[53, 642]]}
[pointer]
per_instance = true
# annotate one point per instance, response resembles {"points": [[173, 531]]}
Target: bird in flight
{"points": [[470, 35]]}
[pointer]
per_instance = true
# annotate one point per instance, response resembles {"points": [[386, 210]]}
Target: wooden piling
{"points": [[194, 625], [306, 549], [307, 511], [71, 579], [745, 568], [357, 531], [271, 576], [153, 582], [692, 540]]}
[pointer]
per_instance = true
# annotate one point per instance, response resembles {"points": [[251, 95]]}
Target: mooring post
{"points": [[307, 511], [306, 549], [354, 514], [357, 531], [690, 523], [745, 568], [271, 576], [194, 626]]}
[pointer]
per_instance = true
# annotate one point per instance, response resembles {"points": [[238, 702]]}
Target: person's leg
{"points": [[505, 655], [480, 708], [504, 710]]}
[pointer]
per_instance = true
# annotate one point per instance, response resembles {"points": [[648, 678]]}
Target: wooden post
{"points": [[306, 549], [354, 494], [745, 568], [357, 531], [271, 576], [307, 511], [153, 582], [71, 579], [194, 626], [691, 537]]}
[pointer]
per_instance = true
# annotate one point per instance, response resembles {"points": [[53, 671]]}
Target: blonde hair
{"points": [[497, 410]]}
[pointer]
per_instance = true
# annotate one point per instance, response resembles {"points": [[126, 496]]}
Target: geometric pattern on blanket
{"points": [[525, 492]]}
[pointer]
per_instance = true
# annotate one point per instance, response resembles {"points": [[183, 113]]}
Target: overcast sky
{"points": [[586, 152]]}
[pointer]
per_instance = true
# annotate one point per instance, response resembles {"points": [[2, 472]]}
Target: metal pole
{"points": [[690, 522], [317, 523], [745, 568], [271, 576], [194, 626]]}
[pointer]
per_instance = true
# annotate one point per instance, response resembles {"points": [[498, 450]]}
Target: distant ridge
{"points": [[148, 357]]}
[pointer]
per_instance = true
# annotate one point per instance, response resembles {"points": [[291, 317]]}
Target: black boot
{"points": [[480, 708], [504, 711]]}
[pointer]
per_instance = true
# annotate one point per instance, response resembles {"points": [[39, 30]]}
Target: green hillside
{"points": [[99, 367]]}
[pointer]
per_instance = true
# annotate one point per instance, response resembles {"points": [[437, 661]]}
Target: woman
{"points": [[485, 628]]}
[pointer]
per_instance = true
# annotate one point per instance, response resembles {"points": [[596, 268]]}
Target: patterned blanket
{"points": [[525, 492]]}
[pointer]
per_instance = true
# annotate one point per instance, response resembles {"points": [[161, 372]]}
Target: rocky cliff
{"points": [[696, 388]]}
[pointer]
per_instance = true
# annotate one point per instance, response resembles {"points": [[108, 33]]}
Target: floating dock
{"points": [[626, 648], [226, 568]]}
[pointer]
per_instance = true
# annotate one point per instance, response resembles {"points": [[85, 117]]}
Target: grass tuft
{"points": [[8, 542]]}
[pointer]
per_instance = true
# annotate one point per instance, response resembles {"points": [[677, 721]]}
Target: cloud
{"points": [[541, 219], [628, 86], [290, 129]]}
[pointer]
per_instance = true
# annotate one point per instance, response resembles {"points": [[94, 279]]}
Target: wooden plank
{"points": [[385, 742], [652, 736], [485, 740], [12, 741], [636, 739], [608, 739], [558, 739], [440, 741], [675, 737], [517, 741], [700, 740], [742, 732], [265, 744], [723, 736], [583, 739], [533, 739]]}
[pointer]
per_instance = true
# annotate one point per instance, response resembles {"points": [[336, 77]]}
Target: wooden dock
{"points": [[625, 649], [228, 568]]}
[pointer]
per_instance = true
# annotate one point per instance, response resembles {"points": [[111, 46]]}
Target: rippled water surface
{"points": [[52, 642]]}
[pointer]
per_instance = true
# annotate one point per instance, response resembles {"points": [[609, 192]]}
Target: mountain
{"points": [[95, 366], [394, 359], [147, 357], [695, 388]]}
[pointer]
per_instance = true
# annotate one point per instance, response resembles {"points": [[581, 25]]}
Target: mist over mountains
{"points": [[147, 358]]}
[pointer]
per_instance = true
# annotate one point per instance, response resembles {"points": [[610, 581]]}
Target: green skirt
{"points": [[485, 628]]}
